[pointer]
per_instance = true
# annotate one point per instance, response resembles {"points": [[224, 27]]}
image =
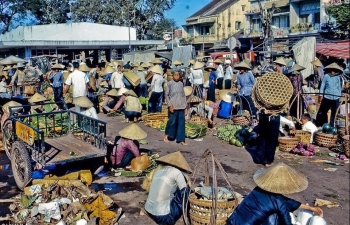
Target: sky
{"points": [[185, 8]]}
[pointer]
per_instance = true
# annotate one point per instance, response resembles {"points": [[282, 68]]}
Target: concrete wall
{"points": [[70, 32]]}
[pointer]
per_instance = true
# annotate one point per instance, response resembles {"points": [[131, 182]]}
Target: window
{"points": [[304, 19], [238, 25], [205, 30], [316, 18], [243, 8], [190, 31], [212, 29]]}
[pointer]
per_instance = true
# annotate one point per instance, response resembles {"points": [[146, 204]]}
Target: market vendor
{"points": [[219, 73], [225, 107], [245, 82], [56, 78], [168, 189], [112, 104], [280, 64], [212, 82], [296, 78], [133, 107], [4, 88], [318, 68], [198, 107], [36, 101], [266, 203], [142, 88], [126, 146], [330, 92], [228, 74], [156, 96], [87, 107]]}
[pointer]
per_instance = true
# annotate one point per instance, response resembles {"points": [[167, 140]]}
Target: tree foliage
{"points": [[9, 9], [50, 11], [140, 14], [161, 26], [341, 14]]}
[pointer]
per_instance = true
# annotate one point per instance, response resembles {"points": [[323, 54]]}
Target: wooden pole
{"points": [[346, 114]]}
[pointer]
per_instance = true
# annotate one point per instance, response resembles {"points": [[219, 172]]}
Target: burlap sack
{"points": [[140, 163]]}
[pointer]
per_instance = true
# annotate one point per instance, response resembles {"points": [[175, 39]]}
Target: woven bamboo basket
{"points": [[198, 120], [341, 130], [200, 210], [241, 120], [305, 136], [326, 140], [346, 145], [155, 116], [286, 144], [259, 105]]}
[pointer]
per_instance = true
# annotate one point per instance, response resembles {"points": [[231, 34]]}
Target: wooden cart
{"points": [[51, 138]]}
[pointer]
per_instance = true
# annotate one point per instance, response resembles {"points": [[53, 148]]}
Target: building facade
{"points": [[217, 20]]}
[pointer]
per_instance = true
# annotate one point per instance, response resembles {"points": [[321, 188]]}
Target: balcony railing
{"points": [[205, 38]]}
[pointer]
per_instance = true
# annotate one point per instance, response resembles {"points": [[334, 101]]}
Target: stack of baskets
{"points": [[325, 140], [305, 136], [155, 120], [346, 145], [286, 144], [272, 92]]}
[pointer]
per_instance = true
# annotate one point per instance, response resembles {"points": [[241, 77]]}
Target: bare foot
{"points": [[166, 138], [268, 165], [183, 143]]}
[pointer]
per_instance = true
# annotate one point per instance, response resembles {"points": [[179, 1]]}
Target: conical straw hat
{"points": [[210, 67], [83, 102], [83, 67], [296, 67], [176, 159], [194, 99], [112, 92], [145, 65], [136, 64], [130, 93], [192, 62], [316, 62], [7, 68], [5, 107], [218, 61], [177, 62], [188, 90], [133, 132], [280, 61], [104, 84], [226, 96], [121, 91], [57, 66], [280, 179], [242, 65], [108, 70], [140, 68], [334, 66], [36, 98], [156, 69], [198, 65], [156, 61]]}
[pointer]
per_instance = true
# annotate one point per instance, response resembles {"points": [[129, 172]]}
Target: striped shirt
{"points": [[175, 95]]}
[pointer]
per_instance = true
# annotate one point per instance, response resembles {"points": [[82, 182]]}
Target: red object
{"points": [[338, 49]]}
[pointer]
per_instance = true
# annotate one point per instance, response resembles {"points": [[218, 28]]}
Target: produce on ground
{"points": [[194, 130], [237, 135]]}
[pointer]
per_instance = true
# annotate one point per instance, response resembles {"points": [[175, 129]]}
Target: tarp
{"points": [[184, 54], [304, 52], [145, 56], [167, 55], [340, 49]]}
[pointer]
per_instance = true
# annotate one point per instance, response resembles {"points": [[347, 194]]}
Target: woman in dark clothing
{"points": [[297, 81], [212, 82], [266, 205]]}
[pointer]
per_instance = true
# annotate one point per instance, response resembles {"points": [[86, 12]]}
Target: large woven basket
{"points": [[326, 140], [241, 120], [259, 105], [200, 210], [286, 144], [305, 136], [198, 120], [346, 145], [341, 129]]}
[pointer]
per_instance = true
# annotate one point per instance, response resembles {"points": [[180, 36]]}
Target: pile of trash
{"points": [[64, 200]]}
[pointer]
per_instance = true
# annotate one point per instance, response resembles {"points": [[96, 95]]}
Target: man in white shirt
{"points": [[228, 74], [219, 73], [117, 78], [285, 122], [79, 81], [308, 125]]}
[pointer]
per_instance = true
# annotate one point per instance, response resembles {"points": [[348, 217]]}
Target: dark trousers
{"points": [[58, 96], [187, 82], [228, 84], [142, 90], [175, 127], [155, 102], [175, 208], [268, 138], [220, 81], [131, 115], [111, 105], [326, 104], [211, 94], [248, 104], [294, 107]]}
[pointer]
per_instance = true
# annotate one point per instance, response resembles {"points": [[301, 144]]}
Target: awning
{"points": [[338, 49], [167, 55]]}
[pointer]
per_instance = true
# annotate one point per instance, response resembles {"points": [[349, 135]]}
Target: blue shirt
{"points": [[260, 205], [212, 76], [56, 79], [108, 76], [245, 83], [331, 85]]}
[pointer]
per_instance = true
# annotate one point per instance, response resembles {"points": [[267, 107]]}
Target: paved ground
{"points": [[237, 163]]}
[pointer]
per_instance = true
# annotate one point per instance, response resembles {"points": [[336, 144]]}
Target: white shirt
{"points": [[228, 73], [166, 181], [91, 112], [117, 80], [220, 71], [2, 87], [283, 122], [157, 83], [78, 81], [197, 77], [309, 126]]}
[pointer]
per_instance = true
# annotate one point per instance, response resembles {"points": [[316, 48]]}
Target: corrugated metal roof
{"points": [[214, 7]]}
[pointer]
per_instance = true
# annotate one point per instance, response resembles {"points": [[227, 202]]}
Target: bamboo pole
{"points": [[346, 114]]}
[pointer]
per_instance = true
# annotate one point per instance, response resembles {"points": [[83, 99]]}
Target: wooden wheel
{"points": [[7, 137], [20, 163]]}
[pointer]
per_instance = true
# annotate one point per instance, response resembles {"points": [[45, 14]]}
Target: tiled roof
{"points": [[214, 7]]}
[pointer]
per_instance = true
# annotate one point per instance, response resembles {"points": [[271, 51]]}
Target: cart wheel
{"points": [[20, 163], [7, 137]]}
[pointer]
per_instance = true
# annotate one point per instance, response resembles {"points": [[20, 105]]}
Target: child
{"points": [[3, 88], [308, 125]]}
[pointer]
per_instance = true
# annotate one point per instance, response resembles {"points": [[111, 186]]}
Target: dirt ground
{"points": [[237, 162]]}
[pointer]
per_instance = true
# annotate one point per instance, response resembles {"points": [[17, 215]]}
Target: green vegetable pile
{"points": [[194, 130], [237, 135]]}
